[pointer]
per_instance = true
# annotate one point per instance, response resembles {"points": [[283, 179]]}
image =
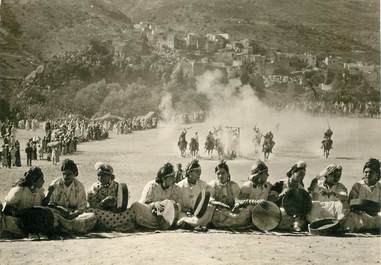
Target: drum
{"points": [[122, 197], [325, 227], [37, 220], [297, 202], [169, 214], [224, 218], [370, 207], [201, 203], [266, 216]]}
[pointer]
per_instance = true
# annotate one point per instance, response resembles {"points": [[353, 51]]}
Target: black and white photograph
{"points": [[190, 132]]}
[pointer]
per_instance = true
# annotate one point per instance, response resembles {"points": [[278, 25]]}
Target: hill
{"points": [[342, 27], [34, 31]]}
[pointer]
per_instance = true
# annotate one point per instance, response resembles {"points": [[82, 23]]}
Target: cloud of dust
{"points": [[296, 133], [234, 105]]}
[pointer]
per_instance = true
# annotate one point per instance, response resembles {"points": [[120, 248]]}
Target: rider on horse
{"points": [[268, 140], [182, 136], [328, 133], [327, 137]]}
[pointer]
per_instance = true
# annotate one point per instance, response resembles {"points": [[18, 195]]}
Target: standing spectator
{"points": [[34, 151], [8, 156], [55, 155], [40, 152], [12, 152], [28, 151], [17, 143], [17, 155]]}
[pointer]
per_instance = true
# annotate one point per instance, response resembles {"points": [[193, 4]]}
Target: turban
{"points": [[373, 164], [258, 168], [296, 167], [164, 171], [30, 177], [192, 165], [329, 170], [222, 164], [69, 164], [104, 168]]}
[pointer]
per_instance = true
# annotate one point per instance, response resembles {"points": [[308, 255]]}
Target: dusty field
{"points": [[136, 158]]}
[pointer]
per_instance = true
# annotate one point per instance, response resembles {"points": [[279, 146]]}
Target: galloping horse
{"points": [[193, 147], [267, 148], [209, 144], [182, 144], [327, 146]]}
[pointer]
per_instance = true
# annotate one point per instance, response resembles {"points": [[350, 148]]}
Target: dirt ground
{"points": [[136, 158]]}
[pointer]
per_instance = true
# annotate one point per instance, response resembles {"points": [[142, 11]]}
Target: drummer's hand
{"points": [[159, 207], [73, 215], [236, 207]]}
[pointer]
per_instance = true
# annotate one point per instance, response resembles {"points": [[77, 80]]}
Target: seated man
{"points": [[68, 197], [328, 194], [27, 192], [108, 200], [189, 190], [253, 192], [156, 194], [369, 188], [294, 181]]}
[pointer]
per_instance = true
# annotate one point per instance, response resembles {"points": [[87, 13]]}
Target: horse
{"points": [[209, 145], [327, 146], [182, 144], [193, 147], [267, 148]]}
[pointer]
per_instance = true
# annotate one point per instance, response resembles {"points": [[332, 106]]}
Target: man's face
{"points": [[261, 178], [68, 176], [194, 175], [40, 182], [333, 178], [298, 176], [222, 175], [104, 179], [371, 177], [168, 181]]}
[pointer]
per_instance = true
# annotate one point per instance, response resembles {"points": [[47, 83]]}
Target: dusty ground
{"points": [[136, 158]]}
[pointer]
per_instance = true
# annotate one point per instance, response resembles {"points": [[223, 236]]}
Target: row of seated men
{"points": [[104, 206]]}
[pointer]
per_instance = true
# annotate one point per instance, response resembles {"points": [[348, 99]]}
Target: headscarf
{"points": [[373, 164], [222, 164], [329, 170], [296, 167], [68, 164], [30, 177], [258, 168], [165, 171], [104, 168], [194, 164]]}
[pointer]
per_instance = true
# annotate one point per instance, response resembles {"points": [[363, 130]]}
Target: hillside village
{"points": [[148, 55]]}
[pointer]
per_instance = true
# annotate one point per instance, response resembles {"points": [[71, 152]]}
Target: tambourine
{"points": [[266, 218]]}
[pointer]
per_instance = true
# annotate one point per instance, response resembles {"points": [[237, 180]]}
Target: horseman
{"points": [[327, 141], [182, 137], [268, 140], [328, 134]]}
